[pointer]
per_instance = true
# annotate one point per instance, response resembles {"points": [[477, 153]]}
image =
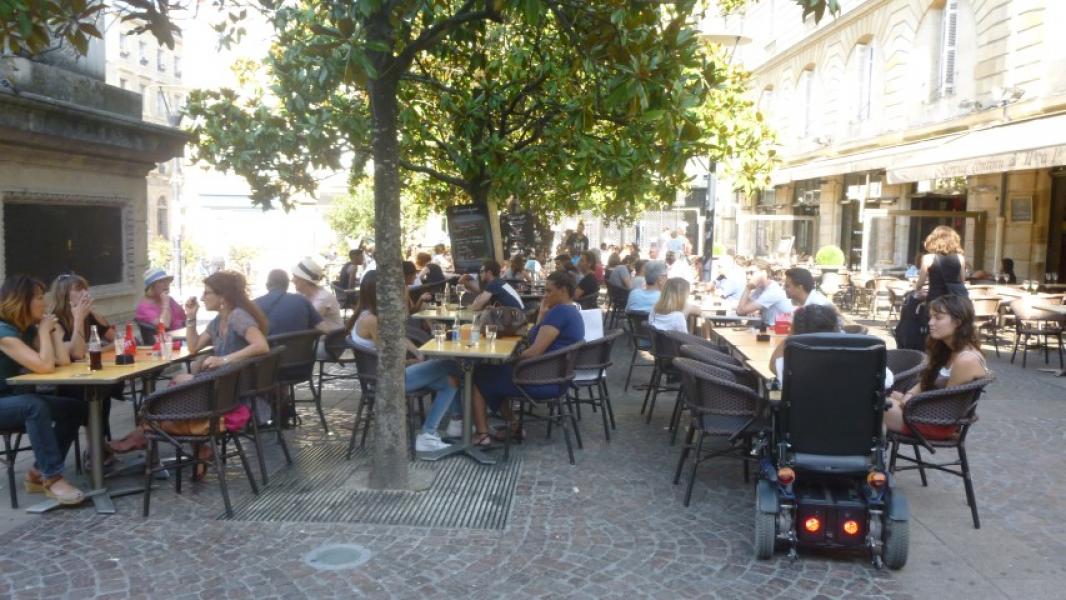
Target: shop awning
{"points": [[871, 160], [1033, 144]]}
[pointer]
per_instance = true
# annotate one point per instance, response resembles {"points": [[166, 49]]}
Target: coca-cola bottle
{"points": [[96, 362], [130, 349]]}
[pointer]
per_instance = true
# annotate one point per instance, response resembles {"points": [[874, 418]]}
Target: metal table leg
{"points": [[464, 447]]}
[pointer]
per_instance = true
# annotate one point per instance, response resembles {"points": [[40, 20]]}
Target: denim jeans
{"points": [[35, 412], [434, 375]]}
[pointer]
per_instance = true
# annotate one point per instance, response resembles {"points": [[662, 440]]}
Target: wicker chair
{"points": [[592, 361], [719, 406], [298, 366], [209, 396], [261, 380], [664, 349], [617, 298], [740, 372], [954, 407], [986, 317], [906, 366], [366, 362], [10, 454], [335, 346], [1030, 321], [641, 340], [554, 368]]}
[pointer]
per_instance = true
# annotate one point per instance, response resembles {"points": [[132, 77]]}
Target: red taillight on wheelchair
{"points": [[812, 524], [785, 476], [876, 480], [851, 527]]}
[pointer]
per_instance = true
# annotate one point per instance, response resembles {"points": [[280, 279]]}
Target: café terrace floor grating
{"points": [[322, 487]]}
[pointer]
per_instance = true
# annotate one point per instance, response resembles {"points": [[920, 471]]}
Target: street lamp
{"points": [[722, 39]]}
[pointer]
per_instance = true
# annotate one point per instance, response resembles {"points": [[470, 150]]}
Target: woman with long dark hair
{"points": [[30, 340], [954, 358], [73, 307]]}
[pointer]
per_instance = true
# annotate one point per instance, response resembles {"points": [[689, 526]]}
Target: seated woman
{"points": [[954, 358], [673, 309], [813, 318], [73, 307], [559, 324], [517, 270], [157, 305], [30, 340], [235, 334], [441, 376]]}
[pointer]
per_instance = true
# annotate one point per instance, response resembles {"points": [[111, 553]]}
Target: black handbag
{"points": [[913, 325]]}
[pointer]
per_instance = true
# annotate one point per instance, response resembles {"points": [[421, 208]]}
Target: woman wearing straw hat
{"points": [[306, 276], [157, 305]]}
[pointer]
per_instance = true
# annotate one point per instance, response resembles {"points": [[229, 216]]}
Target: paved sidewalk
{"points": [[612, 526]]}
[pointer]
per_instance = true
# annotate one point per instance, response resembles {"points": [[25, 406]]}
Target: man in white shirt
{"points": [[799, 287], [730, 280], [763, 295]]}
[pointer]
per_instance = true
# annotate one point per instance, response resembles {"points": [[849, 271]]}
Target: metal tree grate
{"points": [[463, 494]]}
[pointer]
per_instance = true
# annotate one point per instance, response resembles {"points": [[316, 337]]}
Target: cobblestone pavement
{"points": [[613, 526]]}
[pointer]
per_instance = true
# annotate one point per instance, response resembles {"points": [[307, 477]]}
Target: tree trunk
{"points": [[390, 462]]}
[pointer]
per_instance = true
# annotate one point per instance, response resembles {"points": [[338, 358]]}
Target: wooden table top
{"points": [[498, 350], [757, 354], [78, 373], [434, 314], [1055, 308]]}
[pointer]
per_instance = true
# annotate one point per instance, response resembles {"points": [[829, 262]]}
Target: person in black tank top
{"points": [[944, 267]]}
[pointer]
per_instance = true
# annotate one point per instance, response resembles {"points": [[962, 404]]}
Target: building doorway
{"points": [[1056, 234], [922, 226]]}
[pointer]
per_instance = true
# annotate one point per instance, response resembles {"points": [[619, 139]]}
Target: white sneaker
{"points": [[455, 428], [429, 442]]}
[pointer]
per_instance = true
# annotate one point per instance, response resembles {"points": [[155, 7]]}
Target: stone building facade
{"points": [[898, 115], [74, 155]]}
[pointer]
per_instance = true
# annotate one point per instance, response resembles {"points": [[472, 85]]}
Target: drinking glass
{"points": [[475, 336], [440, 331], [490, 333]]}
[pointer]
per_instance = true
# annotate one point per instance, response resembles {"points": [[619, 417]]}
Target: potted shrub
{"points": [[829, 258]]}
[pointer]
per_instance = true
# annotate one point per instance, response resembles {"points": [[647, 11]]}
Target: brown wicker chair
{"points": [[298, 366], [986, 316], [209, 396], [260, 380], [366, 362], [551, 368], [949, 407], [592, 361], [906, 365], [664, 349], [719, 406]]}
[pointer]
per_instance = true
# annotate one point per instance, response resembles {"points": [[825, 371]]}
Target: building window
{"points": [[123, 45], [766, 101], [177, 66], [144, 99], [160, 60], [864, 75], [805, 91], [162, 225], [949, 49], [142, 50], [122, 83], [161, 104], [84, 238]]}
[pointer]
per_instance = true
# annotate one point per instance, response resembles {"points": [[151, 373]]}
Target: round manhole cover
{"points": [[335, 557]]}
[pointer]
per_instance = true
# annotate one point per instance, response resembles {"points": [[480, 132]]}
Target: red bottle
{"points": [[131, 345], [157, 348]]}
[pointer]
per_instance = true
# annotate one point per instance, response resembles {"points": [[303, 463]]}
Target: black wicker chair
{"points": [[617, 298], [906, 365], [366, 362], [335, 345], [298, 366], [1030, 321], [551, 368], [209, 396], [640, 339], [11, 452], [591, 365], [260, 380], [719, 406], [664, 349], [954, 407], [740, 372]]}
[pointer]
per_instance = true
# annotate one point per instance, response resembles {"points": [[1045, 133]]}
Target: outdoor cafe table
{"points": [[433, 314], [467, 355], [97, 385]]}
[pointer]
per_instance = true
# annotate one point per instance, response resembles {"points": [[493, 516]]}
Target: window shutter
{"points": [[949, 48], [864, 70]]}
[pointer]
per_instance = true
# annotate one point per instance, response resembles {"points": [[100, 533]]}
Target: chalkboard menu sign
{"points": [[517, 232], [471, 236]]}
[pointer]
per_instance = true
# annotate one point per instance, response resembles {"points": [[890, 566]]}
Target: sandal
{"points": [[34, 482], [481, 438], [517, 434], [71, 497], [134, 440], [199, 470]]}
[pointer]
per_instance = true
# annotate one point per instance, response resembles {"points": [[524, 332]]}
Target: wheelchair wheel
{"points": [[765, 534], [897, 540]]}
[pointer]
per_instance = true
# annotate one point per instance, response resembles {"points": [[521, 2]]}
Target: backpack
{"points": [[913, 325], [509, 321]]}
